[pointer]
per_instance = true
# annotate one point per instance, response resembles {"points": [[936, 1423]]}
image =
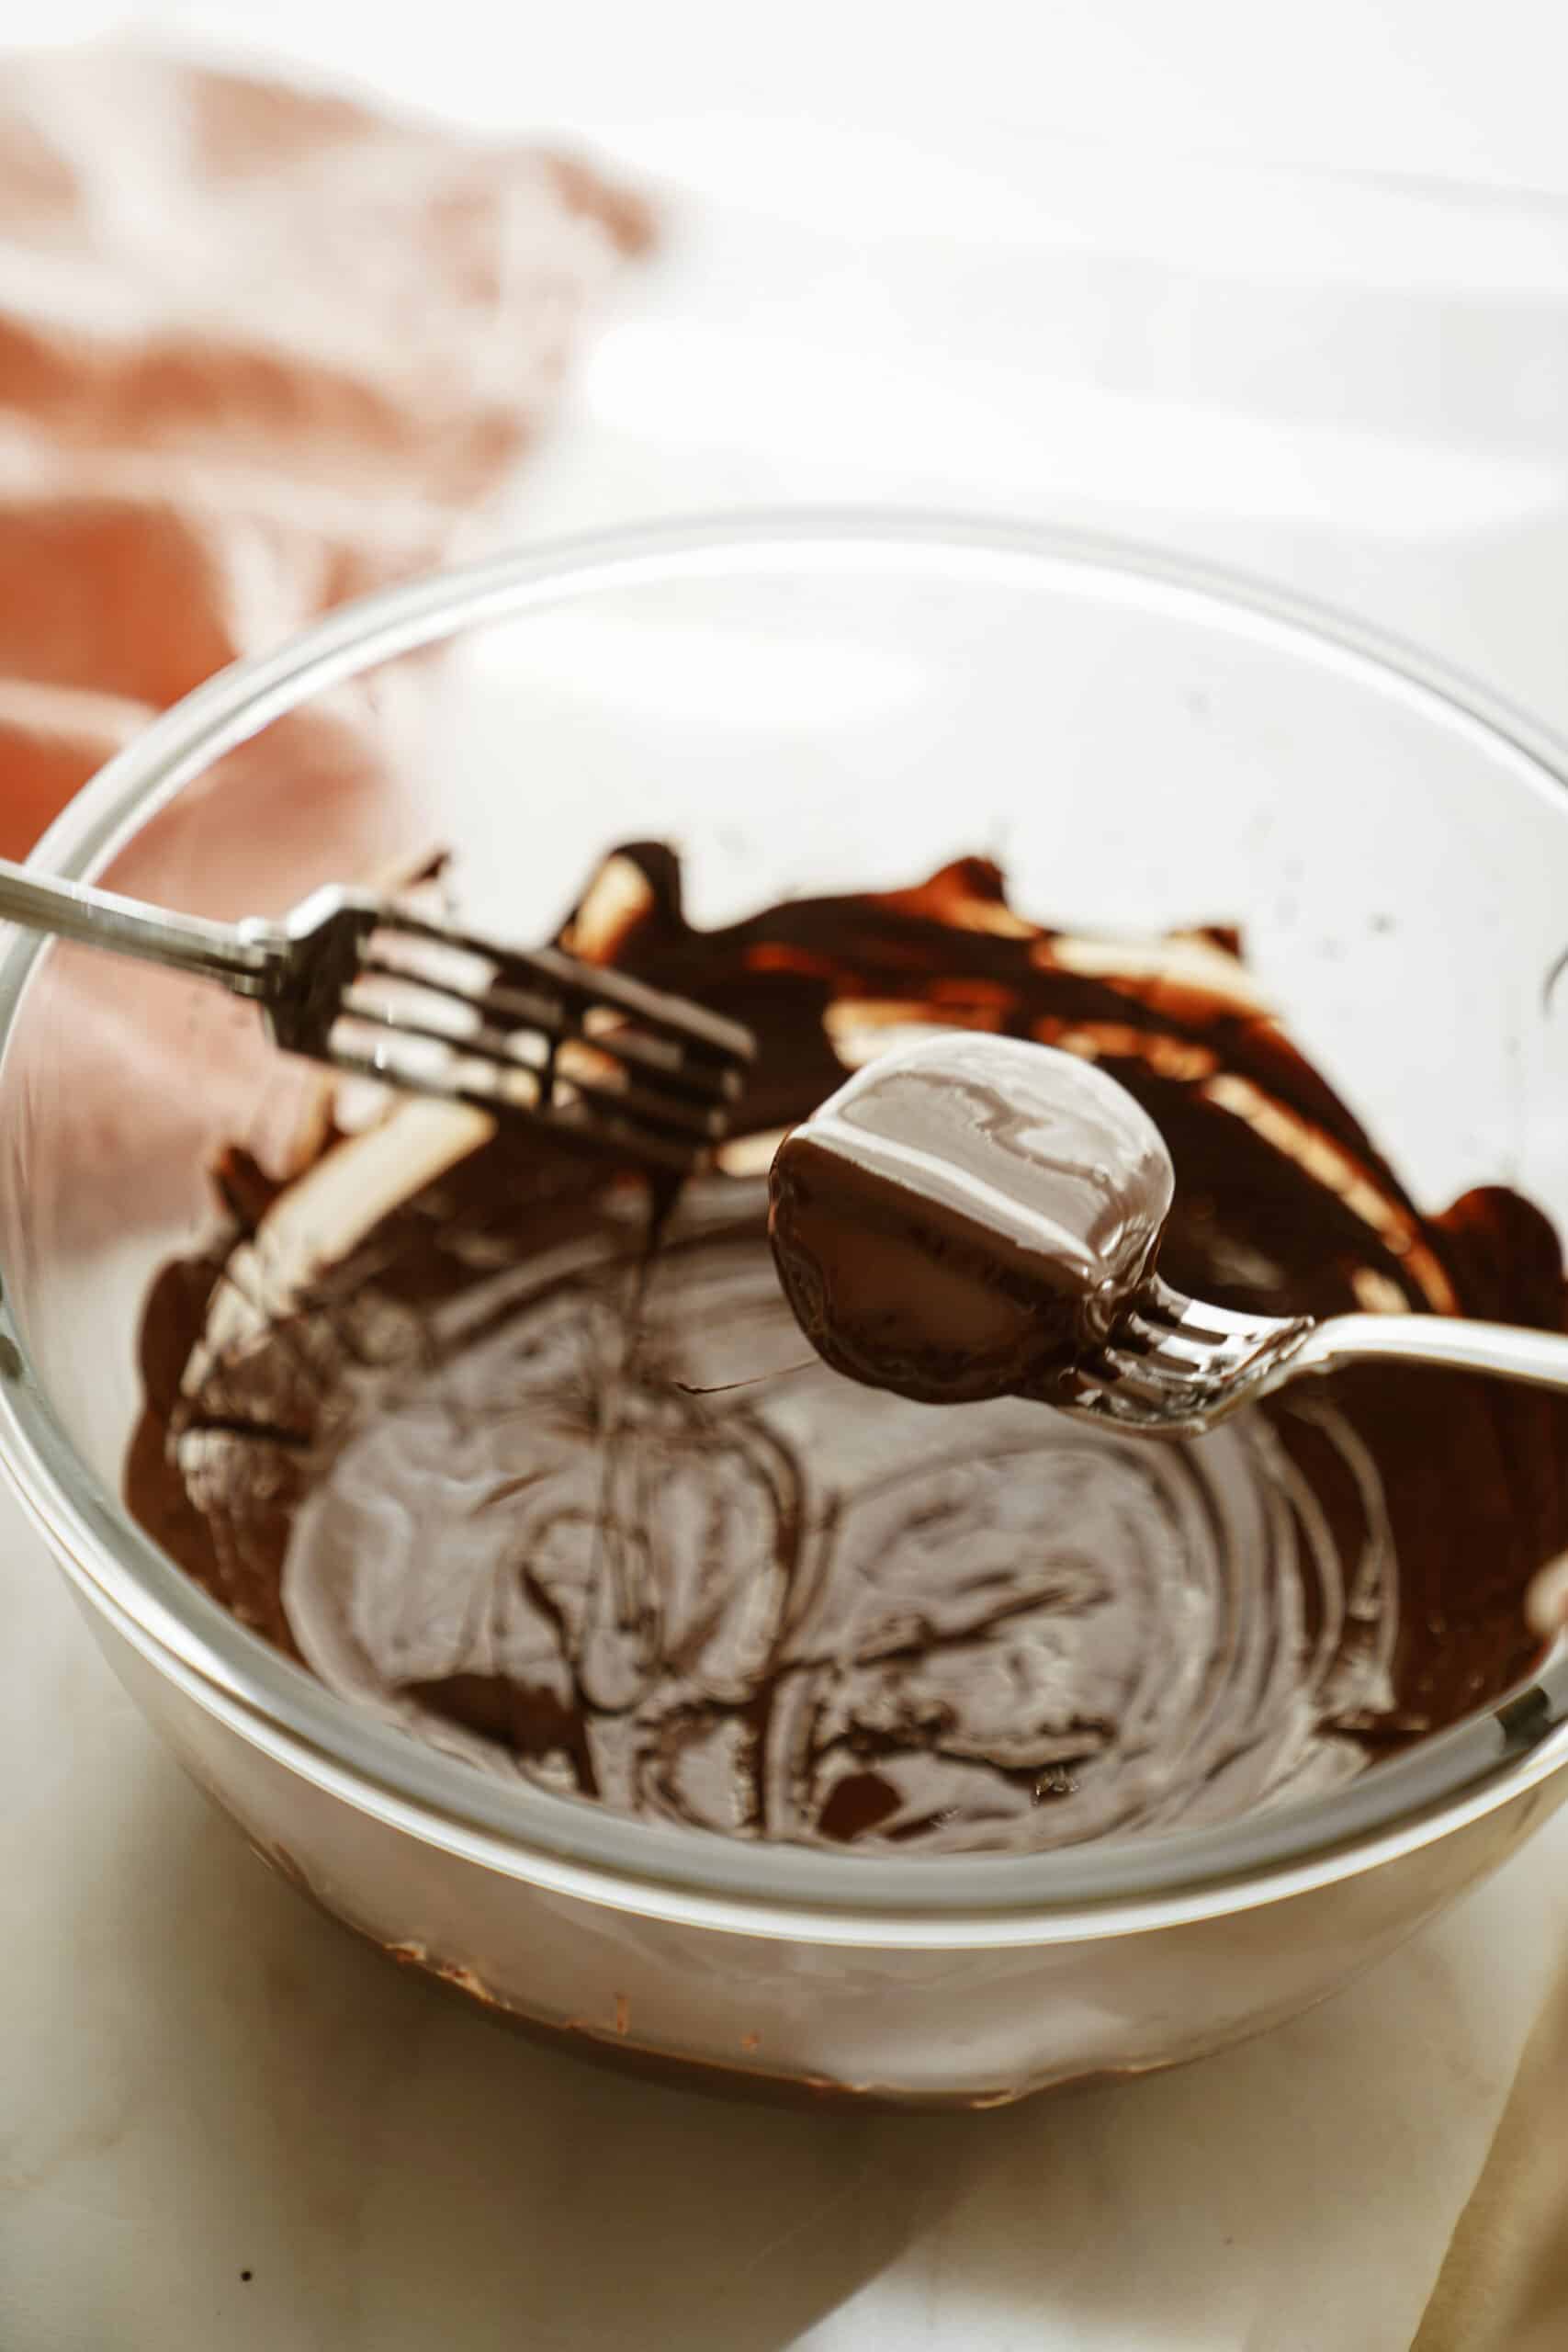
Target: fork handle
{"points": [[1503, 1350], [246, 957]]}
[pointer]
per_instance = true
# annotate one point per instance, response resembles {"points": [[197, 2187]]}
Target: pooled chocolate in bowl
{"points": [[529, 1463]]}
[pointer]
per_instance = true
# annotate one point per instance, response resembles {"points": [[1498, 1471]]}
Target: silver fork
{"points": [[1174, 1366], [377, 991]]}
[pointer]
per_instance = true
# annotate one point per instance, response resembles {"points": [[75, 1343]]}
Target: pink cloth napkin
{"points": [[260, 350]]}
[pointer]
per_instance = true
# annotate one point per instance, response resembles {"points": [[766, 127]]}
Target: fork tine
{"points": [[1136, 1377], [656, 1052], [1172, 1310], [676, 1112], [589, 1053], [709, 1031], [584, 986], [1164, 1371], [639, 1104], [1110, 1410], [537, 1012], [658, 1055], [1182, 1351], [1188, 1349], [606, 1127]]}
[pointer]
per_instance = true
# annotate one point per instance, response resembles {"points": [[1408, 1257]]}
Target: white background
{"points": [[1426, 88]]}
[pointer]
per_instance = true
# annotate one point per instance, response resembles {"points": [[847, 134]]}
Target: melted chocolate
{"points": [[968, 1216], [570, 1508]]}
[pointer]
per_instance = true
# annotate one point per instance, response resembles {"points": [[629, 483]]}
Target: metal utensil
{"points": [[379, 991], [1175, 1366]]}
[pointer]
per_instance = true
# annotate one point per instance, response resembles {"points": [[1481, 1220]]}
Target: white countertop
{"points": [[222, 2118], [204, 2078]]}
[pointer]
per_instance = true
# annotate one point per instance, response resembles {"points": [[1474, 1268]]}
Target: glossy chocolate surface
{"points": [[968, 1216], [453, 1418]]}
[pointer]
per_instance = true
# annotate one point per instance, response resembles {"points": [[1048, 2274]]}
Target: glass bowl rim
{"points": [[1102, 1887]]}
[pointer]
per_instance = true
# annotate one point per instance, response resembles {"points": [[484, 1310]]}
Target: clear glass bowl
{"points": [[812, 702]]}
